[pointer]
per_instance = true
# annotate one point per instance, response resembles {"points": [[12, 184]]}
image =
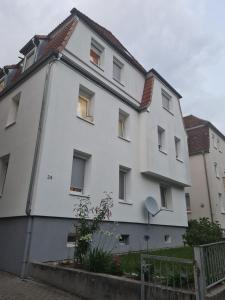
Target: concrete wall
{"points": [[101, 286], [49, 237], [12, 243]]}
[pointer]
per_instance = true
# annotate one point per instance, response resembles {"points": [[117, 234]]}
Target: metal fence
{"points": [[166, 271], [210, 260]]}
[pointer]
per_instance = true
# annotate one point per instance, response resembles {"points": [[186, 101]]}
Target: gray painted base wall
{"points": [[49, 239]]}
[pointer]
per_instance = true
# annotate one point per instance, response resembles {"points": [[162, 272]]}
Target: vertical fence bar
{"points": [[200, 281], [142, 279]]}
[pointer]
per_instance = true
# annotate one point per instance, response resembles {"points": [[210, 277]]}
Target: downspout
{"points": [[34, 169], [208, 189]]}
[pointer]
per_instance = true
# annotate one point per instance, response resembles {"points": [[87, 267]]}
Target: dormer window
{"points": [[29, 59]]}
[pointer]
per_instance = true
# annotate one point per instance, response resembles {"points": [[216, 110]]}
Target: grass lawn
{"points": [[130, 262]]}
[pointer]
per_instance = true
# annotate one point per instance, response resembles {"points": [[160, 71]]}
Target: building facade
{"points": [[206, 196], [80, 116]]}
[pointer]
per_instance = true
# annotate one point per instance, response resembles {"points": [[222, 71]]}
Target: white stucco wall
{"points": [[19, 141], [79, 48], [164, 164], [64, 132]]}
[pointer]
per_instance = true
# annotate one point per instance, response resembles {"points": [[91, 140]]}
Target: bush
{"points": [[100, 261], [202, 232]]}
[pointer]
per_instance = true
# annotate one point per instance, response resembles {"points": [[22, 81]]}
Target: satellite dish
{"points": [[152, 206]]}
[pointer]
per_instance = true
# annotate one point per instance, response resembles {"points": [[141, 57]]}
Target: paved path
{"points": [[13, 288]]}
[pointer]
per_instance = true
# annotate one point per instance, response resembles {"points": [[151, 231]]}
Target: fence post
{"points": [[200, 278], [142, 279]]}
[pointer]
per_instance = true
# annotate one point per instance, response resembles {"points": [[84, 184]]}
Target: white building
{"points": [[206, 196], [80, 116]]}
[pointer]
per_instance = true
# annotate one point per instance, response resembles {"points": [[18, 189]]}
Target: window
{"points": [[30, 58], [165, 194], [219, 145], [167, 239], [96, 53], [124, 239], [216, 170], [85, 104], [177, 147], [77, 178], [214, 141], [4, 162], [123, 183], [117, 69], [13, 110], [123, 124], [166, 101], [161, 139], [71, 239], [221, 203], [188, 202], [2, 85]]}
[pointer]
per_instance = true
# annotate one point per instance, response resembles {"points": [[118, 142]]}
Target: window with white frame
{"points": [[85, 104], [123, 183], [214, 141], [13, 110], [221, 203], [219, 145], [165, 195], [161, 139], [78, 172], [96, 53], [166, 101], [123, 124], [216, 170], [4, 162], [177, 147], [117, 69], [29, 59], [167, 239], [188, 202], [2, 84]]}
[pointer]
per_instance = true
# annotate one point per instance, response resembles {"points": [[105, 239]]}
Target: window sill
{"points": [[10, 124], [168, 111], [96, 66], [117, 81], [166, 209], [77, 194], [165, 153], [180, 160], [86, 120], [125, 202], [124, 139]]}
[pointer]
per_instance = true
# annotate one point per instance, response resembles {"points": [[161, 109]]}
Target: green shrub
{"points": [[100, 261], [202, 232]]}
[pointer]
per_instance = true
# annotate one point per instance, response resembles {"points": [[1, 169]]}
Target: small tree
{"points": [[202, 232], [89, 220]]}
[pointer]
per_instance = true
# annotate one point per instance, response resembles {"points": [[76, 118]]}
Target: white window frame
{"points": [[221, 203], [161, 132], [13, 110], [125, 171], [167, 196], [3, 172], [164, 94], [177, 142], [120, 66], [123, 125], [188, 199], [32, 52], [88, 96], [216, 170], [99, 50]]}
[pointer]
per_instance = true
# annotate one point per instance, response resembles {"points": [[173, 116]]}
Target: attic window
{"points": [[29, 59], [166, 101], [117, 69], [96, 53]]}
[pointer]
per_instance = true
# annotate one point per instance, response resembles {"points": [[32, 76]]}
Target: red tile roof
{"points": [[147, 92]]}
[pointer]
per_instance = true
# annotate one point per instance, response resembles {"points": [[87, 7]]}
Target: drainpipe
{"points": [[208, 189], [34, 168]]}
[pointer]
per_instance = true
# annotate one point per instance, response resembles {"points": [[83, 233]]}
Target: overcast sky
{"points": [[184, 40]]}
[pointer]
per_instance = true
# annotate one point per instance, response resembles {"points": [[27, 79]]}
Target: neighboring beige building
{"points": [[206, 196]]}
